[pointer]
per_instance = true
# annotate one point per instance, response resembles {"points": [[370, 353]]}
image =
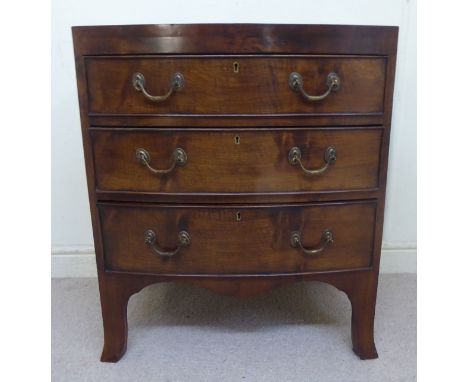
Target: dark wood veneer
{"points": [[212, 87], [121, 206], [217, 164], [235, 120], [235, 39], [260, 242]]}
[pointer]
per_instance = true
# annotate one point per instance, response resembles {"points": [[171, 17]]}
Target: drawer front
{"points": [[237, 240], [237, 161], [235, 85]]}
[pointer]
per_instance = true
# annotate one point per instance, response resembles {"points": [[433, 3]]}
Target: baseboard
{"points": [[401, 260], [83, 264]]}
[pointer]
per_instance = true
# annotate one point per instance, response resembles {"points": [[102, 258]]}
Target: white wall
{"points": [[71, 222]]}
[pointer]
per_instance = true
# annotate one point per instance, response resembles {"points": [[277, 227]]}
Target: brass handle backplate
{"points": [[296, 83], [179, 158], [326, 240], [150, 241], [139, 82], [295, 155]]}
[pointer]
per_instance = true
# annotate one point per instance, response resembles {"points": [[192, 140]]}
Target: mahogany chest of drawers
{"points": [[236, 158]]}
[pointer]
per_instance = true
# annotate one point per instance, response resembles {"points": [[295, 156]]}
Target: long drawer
{"points": [[237, 239], [201, 85], [236, 161]]}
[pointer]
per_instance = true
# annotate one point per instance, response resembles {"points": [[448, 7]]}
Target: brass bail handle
{"points": [[326, 240], [330, 157], [179, 158], [150, 241], [139, 82], [296, 83]]}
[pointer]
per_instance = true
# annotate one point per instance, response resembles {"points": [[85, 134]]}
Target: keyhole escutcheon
{"points": [[236, 67]]}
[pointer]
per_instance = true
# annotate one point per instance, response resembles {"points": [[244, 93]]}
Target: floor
{"points": [[177, 333]]}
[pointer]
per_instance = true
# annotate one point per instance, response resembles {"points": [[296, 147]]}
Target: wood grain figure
{"points": [[236, 157]]}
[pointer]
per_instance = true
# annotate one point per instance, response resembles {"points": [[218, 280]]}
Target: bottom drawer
{"points": [[237, 239]]}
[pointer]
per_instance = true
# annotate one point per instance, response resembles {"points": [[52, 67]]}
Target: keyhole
{"points": [[238, 216], [236, 67], [237, 140]]}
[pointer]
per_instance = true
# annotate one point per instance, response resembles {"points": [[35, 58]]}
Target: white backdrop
{"points": [[72, 242]]}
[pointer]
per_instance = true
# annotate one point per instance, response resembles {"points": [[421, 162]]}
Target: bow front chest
{"points": [[236, 158]]}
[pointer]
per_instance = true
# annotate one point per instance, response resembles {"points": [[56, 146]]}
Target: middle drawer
{"points": [[236, 161]]}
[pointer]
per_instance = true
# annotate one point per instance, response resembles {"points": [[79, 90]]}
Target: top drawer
{"points": [[252, 85]]}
